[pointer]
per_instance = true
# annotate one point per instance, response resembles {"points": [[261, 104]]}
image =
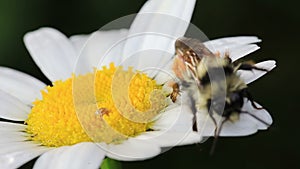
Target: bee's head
{"points": [[233, 105]]}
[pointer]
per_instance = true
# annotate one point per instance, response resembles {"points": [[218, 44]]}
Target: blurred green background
{"points": [[274, 21]]}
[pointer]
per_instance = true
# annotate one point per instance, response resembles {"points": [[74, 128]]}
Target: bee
{"points": [[212, 82]]}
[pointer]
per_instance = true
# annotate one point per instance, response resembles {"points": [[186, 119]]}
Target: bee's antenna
{"points": [[214, 120], [247, 66], [217, 133], [260, 120]]}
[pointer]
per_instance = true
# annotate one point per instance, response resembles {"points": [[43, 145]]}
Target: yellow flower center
{"points": [[108, 105]]}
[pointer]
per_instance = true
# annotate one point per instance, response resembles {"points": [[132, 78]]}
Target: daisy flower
{"points": [[76, 122], [84, 115]]}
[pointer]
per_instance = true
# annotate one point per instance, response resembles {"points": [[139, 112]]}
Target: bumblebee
{"points": [[212, 82]]}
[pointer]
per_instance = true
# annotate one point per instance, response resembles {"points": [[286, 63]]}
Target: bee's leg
{"points": [[217, 134], [194, 111], [214, 120], [260, 120], [247, 66], [250, 98], [210, 112], [195, 128]]}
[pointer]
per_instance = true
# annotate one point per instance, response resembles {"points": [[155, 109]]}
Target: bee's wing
{"points": [[195, 45]]}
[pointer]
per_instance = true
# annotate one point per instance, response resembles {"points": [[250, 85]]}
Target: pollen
{"points": [[108, 105]]}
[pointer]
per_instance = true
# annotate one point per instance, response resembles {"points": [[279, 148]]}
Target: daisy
{"points": [[71, 125], [63, 141]]}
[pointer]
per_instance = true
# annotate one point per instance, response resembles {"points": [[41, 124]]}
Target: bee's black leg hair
{"points": [[246, 66], [260, 120]]}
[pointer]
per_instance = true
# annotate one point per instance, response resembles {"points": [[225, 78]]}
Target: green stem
{"points": [[109, 163]]}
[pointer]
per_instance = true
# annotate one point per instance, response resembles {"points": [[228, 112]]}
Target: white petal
{"points": [[178, 119], [82, 155], [132, 150], [242, 127], [52, 52], [6, 126], [260, 114], [164, 76], [182, 9], [14, 155], [245, 126], [10, 136], [173, 127], [191, 138], [16, 146], [12, 132], [205, 125], [237, 47], [250, 76], [78, 41], [11, 108], [242, 51], [25, 87], [231, 41], [157, 26], [170, 139], [98, 49]]}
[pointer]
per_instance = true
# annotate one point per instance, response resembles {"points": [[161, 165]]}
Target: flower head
{"points": [[90, 113]]}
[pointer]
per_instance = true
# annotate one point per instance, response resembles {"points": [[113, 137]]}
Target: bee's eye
{"points": [[236, 99]]}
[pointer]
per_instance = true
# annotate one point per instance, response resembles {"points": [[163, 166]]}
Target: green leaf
{"points": [[108, 163]]}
